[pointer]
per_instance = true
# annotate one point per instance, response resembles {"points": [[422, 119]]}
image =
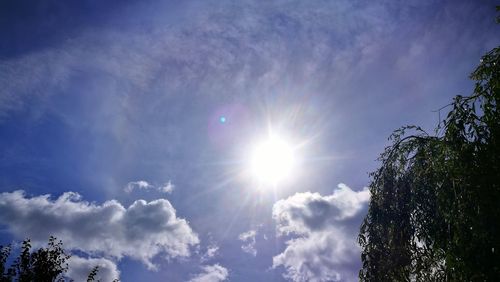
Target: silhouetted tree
{"points": [[43, 265], [434, 212], [93, 274]]}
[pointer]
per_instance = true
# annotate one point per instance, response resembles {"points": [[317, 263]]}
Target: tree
{"points": [[435, 200], [43, 265]]}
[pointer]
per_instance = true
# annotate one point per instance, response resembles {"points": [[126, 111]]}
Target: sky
{"points": [[128, 129]]}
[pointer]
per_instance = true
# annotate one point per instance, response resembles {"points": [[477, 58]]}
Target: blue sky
{"points": [[110, 122]]}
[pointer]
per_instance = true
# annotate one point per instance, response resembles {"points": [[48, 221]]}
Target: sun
{"points": [[272, 160]]}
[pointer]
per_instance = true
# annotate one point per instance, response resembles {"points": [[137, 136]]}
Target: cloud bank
{"points": [[323, 246], [142, 231]]}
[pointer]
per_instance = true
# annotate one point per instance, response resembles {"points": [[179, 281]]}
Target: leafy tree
{"points": [[43, 265], [435, 209]]}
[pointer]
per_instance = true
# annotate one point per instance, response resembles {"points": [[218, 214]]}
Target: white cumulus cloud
{"points": [[79, 269], [141, 231], [249, 241], [211, 273], [323, 246]]}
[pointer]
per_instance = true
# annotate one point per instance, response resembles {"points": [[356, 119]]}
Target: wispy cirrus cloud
{"points": [[223, 48]]}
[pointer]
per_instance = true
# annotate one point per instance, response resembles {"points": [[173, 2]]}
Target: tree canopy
{"points": [[435, 200], [43, 265]]}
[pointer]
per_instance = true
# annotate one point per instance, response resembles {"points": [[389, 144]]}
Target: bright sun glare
{"points": [[272, 160]]}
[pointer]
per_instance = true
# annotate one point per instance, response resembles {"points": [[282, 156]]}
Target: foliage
{"points": [[45, 264], [93, 274], [434, 211]]}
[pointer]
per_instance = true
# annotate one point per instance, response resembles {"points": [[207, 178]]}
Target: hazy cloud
{"points": [[167, 187], [323, 247], [237, 46], [212, 251], [141, 184], [141, 231], [211, 273]]}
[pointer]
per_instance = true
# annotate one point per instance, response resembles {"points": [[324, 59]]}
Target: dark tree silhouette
{"points": [[434, 212], [43, 265]]}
